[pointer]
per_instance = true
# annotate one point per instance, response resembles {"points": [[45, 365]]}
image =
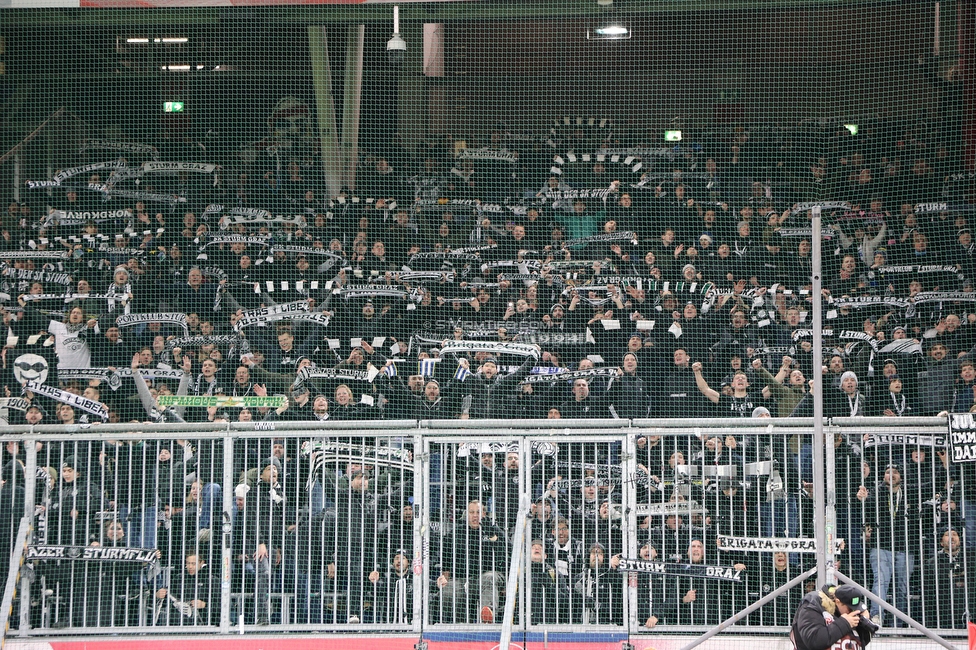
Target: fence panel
{"points": [[473, 500], [122, 534], [578, 532], [352, 527], [902, 505], [717, 510]]}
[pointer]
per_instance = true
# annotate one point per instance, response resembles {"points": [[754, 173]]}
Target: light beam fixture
{"points": [[609, 31]]}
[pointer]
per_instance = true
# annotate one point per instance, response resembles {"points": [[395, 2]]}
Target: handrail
{"points": [[738, 616], [197, 430], [877, 600]]}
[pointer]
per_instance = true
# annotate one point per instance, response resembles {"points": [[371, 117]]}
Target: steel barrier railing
{"points": [[407, 526]]}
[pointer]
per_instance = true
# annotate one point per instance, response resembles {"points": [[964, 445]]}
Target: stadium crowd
{"points": [[600, 280]]}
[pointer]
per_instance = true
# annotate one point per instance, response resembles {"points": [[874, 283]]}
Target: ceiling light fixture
{"points": [[396, 47], [614, 31], [166, 40]]}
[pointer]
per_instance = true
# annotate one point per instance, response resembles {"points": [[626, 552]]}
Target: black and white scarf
{"points": [[117, 294], [204, 386], [898, 402], [63, 396]]}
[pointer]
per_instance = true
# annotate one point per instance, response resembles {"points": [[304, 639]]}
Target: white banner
{"points": [[294, 219], [65, 174], [486, 153], [770, 544], [962, 433], [63, 396], [114, 377], [550, 378], [157, 166], [176, 318], [115, 145], [81, 217], [519, 349], [881, 439], [265, 314], [16, 403], [307, 373]]}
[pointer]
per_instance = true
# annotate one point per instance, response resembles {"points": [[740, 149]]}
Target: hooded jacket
{"points": [[817, 626]]}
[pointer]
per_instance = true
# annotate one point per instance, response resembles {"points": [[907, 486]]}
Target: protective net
{"points": [[408, 256]]}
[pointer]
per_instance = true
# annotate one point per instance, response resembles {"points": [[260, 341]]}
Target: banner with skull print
{"points": [[32, 361]]}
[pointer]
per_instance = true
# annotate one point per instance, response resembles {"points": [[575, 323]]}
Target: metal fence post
{"points": [[227, 507], [629, 458], [421, 604], [30, 496], [515, 567], [819, 483], [830, 509], [525, 483], [421, 521]]}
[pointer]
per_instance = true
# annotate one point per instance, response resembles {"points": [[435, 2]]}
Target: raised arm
{"points": [[184, 387], [148, 401], [710, 393]]}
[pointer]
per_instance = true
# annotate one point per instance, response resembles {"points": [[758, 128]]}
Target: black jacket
{"points": [[493, 398], [182, 591], [815, 627], [263, 517], [894, 519], [551, 600]]}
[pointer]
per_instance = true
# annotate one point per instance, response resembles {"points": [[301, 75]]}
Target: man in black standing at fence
{"points": [[473, 563], [353, 556], [695, 599]]}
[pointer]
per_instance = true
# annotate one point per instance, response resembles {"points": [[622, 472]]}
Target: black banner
{"points": [[35, 276], [962, 435], [715, 572], [92, 553], [882, 439], [570, 376]]}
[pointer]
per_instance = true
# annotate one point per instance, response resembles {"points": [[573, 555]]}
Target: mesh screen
{"points": [[506, 211]]}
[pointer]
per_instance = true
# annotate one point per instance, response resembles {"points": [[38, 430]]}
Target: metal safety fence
{"points": [[406, 526]]}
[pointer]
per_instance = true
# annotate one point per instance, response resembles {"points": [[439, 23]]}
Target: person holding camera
{"points": [[834, 618]]}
